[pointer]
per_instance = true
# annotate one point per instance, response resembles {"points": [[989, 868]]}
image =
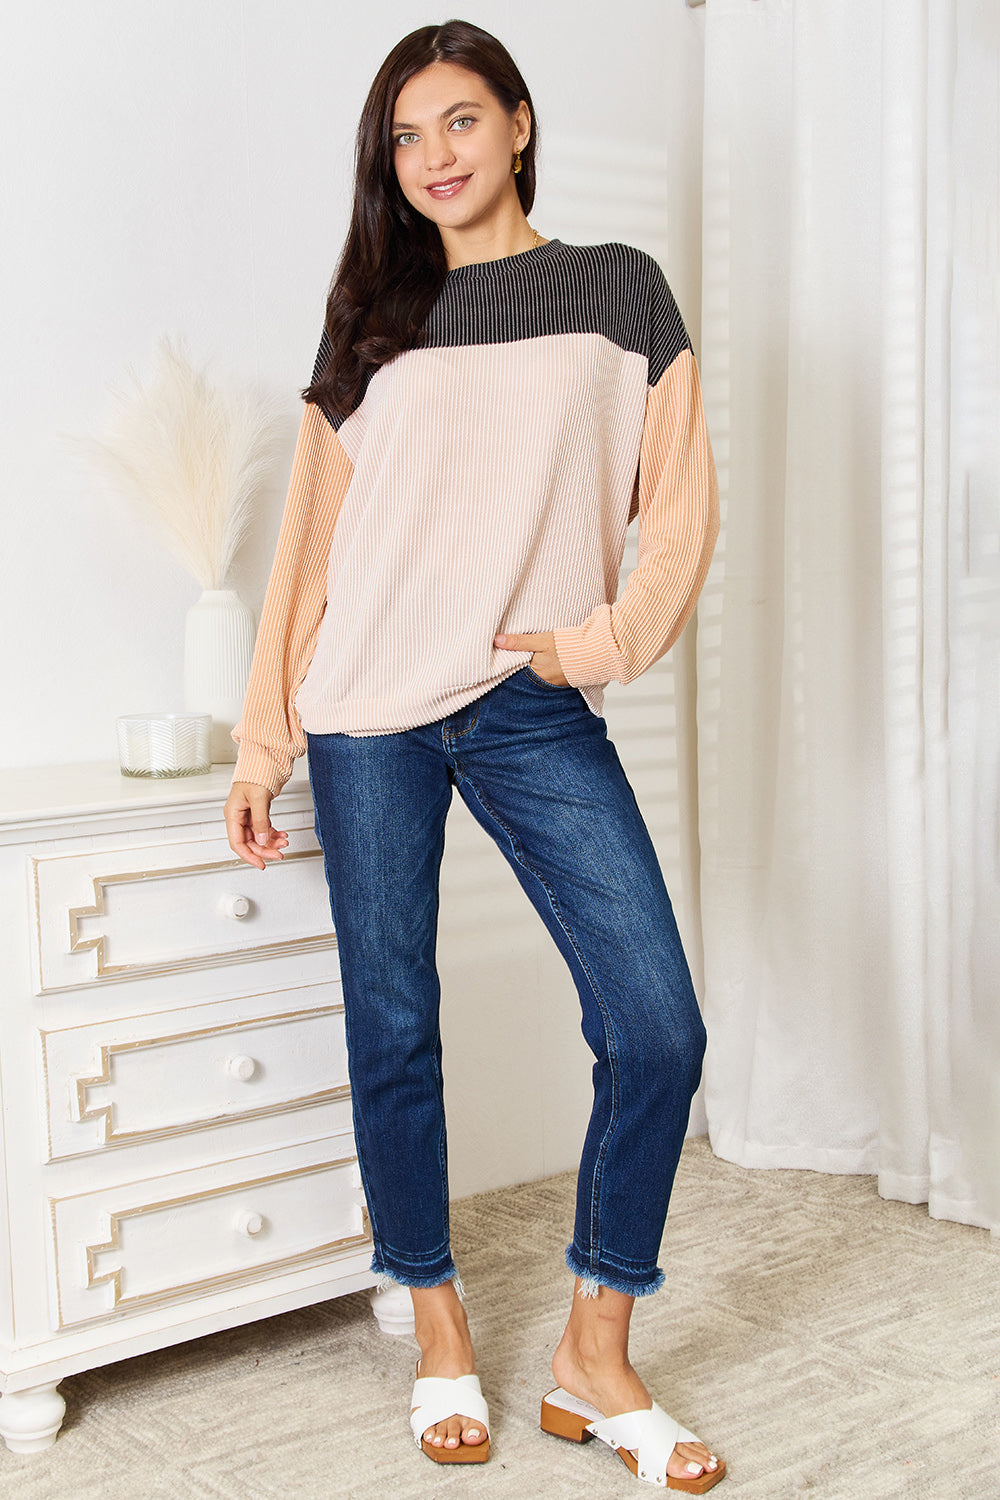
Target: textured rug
{"points": [[826, 1343]]}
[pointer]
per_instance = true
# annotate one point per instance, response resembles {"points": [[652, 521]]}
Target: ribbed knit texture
{"points": [[485, 484]]}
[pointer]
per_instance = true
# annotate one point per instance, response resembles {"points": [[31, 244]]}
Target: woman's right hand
{"points": [[248, 824]]}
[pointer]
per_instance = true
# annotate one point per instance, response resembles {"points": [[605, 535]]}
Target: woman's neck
{"points": [[473, 246]]}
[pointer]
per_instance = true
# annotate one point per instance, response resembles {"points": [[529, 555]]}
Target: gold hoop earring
{"points": [[517, 162]]}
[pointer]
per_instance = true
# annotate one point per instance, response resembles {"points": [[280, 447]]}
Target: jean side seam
{"points": [[372, 1216], [602, 1150], [443, 1151]]}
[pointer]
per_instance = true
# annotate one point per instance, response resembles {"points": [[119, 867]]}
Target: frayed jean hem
{"points": [[615, 1281], [387, 1278]]}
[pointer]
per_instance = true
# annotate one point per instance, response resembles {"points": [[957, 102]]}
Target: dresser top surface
{"points": [[43, 793]]}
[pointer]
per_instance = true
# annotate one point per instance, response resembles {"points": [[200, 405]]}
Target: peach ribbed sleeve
{"points": [[678, 527], [270, 735]]}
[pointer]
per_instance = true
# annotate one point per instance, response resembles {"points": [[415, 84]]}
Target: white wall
{"points": [[184, 169]]}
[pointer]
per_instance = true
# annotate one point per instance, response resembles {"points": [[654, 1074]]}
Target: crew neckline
{"points": [[504, 264]]}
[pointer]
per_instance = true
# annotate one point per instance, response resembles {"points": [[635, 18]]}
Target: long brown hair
{"points": [[393, 266]]}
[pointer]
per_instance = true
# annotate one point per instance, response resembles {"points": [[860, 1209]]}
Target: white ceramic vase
{"points": [[218, 650]]}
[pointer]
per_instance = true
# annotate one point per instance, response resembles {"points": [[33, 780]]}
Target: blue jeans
{"points": [[537, 770]]}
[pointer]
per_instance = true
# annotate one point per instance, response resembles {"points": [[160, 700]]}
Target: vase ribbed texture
{"points": [[218, 650]]}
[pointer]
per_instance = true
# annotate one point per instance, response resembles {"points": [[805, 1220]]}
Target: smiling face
{"points": [[453, 147]]}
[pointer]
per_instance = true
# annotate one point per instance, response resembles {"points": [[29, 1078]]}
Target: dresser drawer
{"points": [[130, 913], [189, 1233], [121, 1081]]}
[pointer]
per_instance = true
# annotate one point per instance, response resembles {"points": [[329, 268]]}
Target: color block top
{"points": [[484, 484]]}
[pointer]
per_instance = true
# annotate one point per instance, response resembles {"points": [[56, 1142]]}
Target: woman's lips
{"points": [[447, 189]]}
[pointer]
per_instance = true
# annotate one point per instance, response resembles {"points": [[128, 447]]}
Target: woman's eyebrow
{"points": [[462, 104]]}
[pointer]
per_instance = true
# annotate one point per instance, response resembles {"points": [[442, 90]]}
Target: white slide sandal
{"points": [[435, 1400], [643, 1440]]}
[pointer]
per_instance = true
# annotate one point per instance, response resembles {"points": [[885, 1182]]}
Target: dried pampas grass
{"points": [[189, 456]]}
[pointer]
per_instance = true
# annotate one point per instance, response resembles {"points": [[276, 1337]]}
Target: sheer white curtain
{"points": [[849, 637]]}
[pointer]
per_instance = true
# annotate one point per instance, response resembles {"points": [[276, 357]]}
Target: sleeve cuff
{"points": [[262, 767], [589, 654]]}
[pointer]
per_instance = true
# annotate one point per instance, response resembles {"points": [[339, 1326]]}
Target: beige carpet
{"points": [[827, 1344]]}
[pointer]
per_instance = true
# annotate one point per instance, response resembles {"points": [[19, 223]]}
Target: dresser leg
{"points": [[393, 1309], [30, 1420]]}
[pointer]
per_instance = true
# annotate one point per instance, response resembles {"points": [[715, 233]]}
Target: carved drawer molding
{"points": [[136, 912], [105, 1085], [189, 1233]]}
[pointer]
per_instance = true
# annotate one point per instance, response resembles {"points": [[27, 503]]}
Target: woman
{"points": [[487, 412]]}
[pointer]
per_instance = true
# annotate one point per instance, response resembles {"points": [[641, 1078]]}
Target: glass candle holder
{"points": [[164, 744]]}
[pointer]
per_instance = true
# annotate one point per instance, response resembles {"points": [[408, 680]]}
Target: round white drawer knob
{"points": [[236, 906], [249, 1223], [242, 1068]]}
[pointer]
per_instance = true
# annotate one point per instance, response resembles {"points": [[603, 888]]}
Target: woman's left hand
{"points": [[544, 661]]}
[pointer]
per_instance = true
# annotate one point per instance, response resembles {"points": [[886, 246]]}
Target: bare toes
{"points": [[454, 1432], [688, 1460], [446, 1434]]}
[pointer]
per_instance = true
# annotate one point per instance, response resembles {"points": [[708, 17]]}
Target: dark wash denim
{"points": [[537, 770]]}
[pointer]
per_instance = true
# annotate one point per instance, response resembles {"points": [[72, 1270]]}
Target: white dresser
{"points": [[177, 1153]]}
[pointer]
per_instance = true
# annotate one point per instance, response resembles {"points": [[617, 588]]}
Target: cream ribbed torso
{"points": [[478, 505]]}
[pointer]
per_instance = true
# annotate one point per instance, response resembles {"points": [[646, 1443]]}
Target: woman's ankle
{"points": [[439, 1321], [589, 1357]]}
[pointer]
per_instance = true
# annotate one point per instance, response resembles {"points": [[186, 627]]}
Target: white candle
{"points": [[164, 744]]}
